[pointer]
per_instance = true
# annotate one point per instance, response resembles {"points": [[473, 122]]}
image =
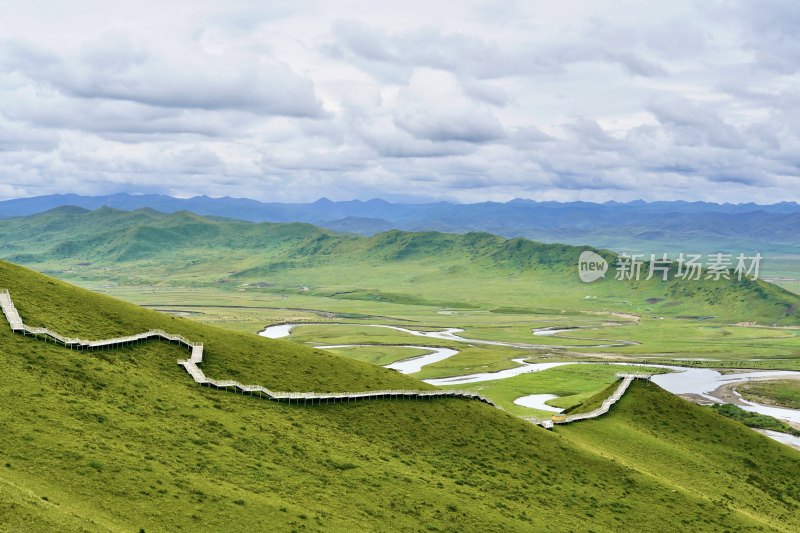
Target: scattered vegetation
{"points": [[754, 420], [781, 393]]}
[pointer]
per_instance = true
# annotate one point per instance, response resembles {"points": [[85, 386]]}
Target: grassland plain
{"points": [[243, 276], [123, 439], [573, 384], [781, 393], [423, 269], [379, 355]]}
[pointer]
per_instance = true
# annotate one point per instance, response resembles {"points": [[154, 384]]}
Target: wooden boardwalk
{"points": [[192, 367], [627, 379]]}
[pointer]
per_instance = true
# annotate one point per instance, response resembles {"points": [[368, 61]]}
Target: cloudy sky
{"points": [[413, 100]]}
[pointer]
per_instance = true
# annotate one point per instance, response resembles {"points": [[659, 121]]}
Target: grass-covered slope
{"points": [[699, 453], [473, 270], [278, 365], [593, 402], [123, 440]]}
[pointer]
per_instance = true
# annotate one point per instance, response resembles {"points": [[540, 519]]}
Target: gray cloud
{"points": [[405, 100], [435, 108], [113, 68], [393, 55], [16, 138], [116, 119], [694, 124], [770, 29]]}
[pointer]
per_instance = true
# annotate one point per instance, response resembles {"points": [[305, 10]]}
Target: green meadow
{"points": [[573, 384], [378, 355], [683, 448], [124, 440], [780, 392], [243, 277]]}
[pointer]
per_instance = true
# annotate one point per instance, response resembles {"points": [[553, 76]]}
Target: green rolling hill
{"points": [[467, 271], [124, 440], [688, 448]]}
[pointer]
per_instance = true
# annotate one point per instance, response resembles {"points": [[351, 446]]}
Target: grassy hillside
{"points": [[123, 440], [695, 451], [247, 358], [473, 270]]}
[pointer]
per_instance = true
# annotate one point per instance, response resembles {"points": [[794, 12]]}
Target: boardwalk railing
{"points": [[195, 349], [627, 379], [192, 367]]}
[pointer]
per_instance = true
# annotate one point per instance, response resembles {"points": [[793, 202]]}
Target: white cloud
{"points": [[293, 101], [179, 76], [435, 108]]}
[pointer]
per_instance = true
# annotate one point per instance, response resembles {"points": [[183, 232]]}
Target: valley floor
{"points": [[487, 341]]}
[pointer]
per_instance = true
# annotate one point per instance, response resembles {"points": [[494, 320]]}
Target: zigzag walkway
{"points": [[626, 378], [196, 358]]}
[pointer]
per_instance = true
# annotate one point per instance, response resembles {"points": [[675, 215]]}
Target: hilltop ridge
{"points": [[647, 226]]}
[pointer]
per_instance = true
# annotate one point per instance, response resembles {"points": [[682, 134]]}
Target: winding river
{"points": [[537, 401], [701, 382], [404, 366], [412, 364]]}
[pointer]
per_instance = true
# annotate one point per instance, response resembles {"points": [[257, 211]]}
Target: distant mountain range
{"points": [[144, 246], [638, 225]]}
